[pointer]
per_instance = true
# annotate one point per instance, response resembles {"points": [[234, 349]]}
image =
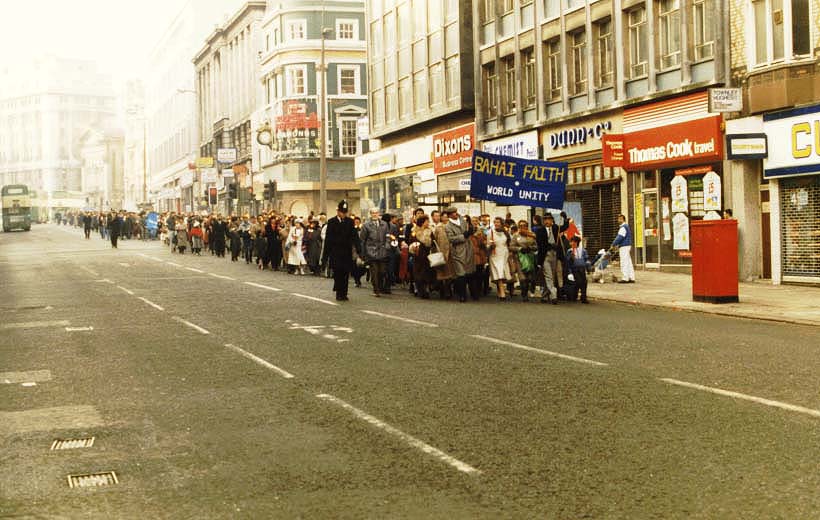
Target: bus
{"points": [[16, 203]]}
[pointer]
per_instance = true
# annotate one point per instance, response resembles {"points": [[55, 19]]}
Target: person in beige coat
{"points": [[444, 273]]}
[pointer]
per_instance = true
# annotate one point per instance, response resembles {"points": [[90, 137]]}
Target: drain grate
{"points": [[71, 444], [106, 478]]}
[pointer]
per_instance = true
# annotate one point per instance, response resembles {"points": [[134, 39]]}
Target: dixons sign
{"points": [[453, 149], [693, 142]]}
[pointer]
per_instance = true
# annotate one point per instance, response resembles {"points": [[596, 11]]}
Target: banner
{"points": [[509, 181], [151, 221]]}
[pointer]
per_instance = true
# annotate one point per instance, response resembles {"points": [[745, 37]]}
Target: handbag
{"points": [[436, 259], [527, 261]]}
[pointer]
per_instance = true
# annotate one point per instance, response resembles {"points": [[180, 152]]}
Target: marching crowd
{"points": [[441, 253]]}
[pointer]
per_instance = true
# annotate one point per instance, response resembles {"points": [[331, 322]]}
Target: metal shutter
{"points": [[800, 226]]}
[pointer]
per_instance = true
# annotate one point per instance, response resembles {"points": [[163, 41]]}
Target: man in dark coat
{"points": [[218, 234], [340, 240], [114, 224], [87, 225], [550, 254]]}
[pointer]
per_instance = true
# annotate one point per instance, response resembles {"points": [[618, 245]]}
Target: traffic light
{"points": [[266, 193], [232, 190], [211, 196], [272, 190]]}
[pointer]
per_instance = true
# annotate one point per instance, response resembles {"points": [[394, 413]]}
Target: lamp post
{"points": [[323, 128]]}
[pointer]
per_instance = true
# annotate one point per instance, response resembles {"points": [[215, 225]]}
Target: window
{"points": [[489, 80], [267, 42], [377, 106], [437, 84], [295, 80], [451, 72], [669, 23], [348, 80], [486, 10], [770, 38], [509, 85], [403, 28], [552, 49], [636, 20], [391, 103], [405, 98], [579, 62], [704, 40], [296, 30], [420, 91], [507, 6], [528, 61], [348, 141], [376, 47], [347, 29], [603, 53], [419, 19]]}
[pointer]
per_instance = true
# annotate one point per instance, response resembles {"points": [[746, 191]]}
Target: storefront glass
{"points": [[400, 199], [373, 195]]}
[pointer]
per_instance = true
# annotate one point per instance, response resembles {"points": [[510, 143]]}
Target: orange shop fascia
{"points": [[681, 144]]}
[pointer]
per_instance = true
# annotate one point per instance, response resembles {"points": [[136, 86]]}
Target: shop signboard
{"points": [[794, 136], [186, 178], [453, 149], [363, 128], [691, 142], [523, 146], [510, 181], [725, 100], [612, 150], [226, 155], [464, 184], [204, 162], [209, 175], [746, 146]]}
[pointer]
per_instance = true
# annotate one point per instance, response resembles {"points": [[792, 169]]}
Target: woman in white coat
{"points": [[296, 258], [498, 241]]}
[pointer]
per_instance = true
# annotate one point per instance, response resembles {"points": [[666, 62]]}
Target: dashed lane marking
{"points": [[305, 296], [79, 329], [195, 270], [34, 324], [745, 397], [123, 264], [152, 304], [539, 351], [10, 378], [400, 318], [104, 280], [126, 291], [259, 285], [259, 360], [193, 326], [409, 439], [173, 264], [89, 271], [222, 276]]}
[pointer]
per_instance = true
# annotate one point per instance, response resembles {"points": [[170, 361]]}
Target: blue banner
{"points": [[509, 181], [151, 221]]}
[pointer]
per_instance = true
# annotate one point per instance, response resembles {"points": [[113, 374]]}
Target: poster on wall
{"points": [[680, 199], [711, 192], [638, 233], [666, 220], [680, 226]]}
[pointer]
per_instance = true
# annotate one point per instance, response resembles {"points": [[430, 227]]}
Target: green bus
{"points": [[16, 202]]}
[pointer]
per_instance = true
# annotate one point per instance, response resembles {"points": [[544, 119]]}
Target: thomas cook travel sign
{"points": [[509, 181]]}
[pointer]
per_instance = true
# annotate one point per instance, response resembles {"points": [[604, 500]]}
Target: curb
{"points": [[790, 321]]}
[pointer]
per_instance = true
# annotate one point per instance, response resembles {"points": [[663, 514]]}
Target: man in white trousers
{"points": [[623, 242]]}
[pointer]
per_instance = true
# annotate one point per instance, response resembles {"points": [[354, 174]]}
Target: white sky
{"points": [[118, 34]]}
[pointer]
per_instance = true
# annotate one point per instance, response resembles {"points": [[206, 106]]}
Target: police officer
{"points": [[340, 239]]}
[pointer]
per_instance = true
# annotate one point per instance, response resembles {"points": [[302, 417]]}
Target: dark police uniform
{"points": [[340, 239]]}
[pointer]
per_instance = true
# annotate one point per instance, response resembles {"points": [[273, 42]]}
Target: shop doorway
{"points": [[646, 224], [766, 231]]}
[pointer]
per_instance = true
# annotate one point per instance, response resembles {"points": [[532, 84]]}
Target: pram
{"points": [[600, 267]]}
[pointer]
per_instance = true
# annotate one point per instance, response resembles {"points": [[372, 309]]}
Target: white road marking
{"points": [[745, 397], [8, 378], [188, 323], [257, 359], [174, 264], [126, 291], [409, 439], [194, 269], [89, 271], [221, 276], [314, 299], [540, 351], [34, 324], [30, 383], [124, 264], [400, 318], [155, 259], [104, 280], [79, 329], [152, 304], [263, 286]]}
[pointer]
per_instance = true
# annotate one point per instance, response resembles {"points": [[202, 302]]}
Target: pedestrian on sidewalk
{"points": [[623, 243]]}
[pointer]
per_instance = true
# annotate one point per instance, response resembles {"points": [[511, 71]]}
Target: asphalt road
{"points": [[214, 390]]}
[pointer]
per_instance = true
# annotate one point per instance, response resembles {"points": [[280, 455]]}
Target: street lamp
{"points": [[322, 127]]}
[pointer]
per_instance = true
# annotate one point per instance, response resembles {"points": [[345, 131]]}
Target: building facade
{"points": [[292, 86], [226, 92], [421, 96], [171, 102], [103, 169], [135, 164], [774, 142], [575, 71], [46, 106]]}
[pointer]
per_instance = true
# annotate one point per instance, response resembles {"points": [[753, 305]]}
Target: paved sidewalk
{"points": [[758, 300]]}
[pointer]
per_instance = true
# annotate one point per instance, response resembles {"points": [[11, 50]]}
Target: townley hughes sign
{"points": [[510, 181]]}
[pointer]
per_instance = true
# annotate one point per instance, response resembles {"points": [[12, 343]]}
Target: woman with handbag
{"points": [[423, 274], [522, 252], [499, 256]]}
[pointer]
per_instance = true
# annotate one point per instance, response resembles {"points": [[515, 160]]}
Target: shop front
{"points": [[452, 161], [673, 152], [793, 171], [593, 193]]}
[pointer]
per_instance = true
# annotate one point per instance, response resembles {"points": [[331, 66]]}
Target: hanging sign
{"points": [[510, 181], [680, 195], [711, 192]]}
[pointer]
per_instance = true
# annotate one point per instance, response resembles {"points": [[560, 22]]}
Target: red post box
{"points": [[714, 261]]}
